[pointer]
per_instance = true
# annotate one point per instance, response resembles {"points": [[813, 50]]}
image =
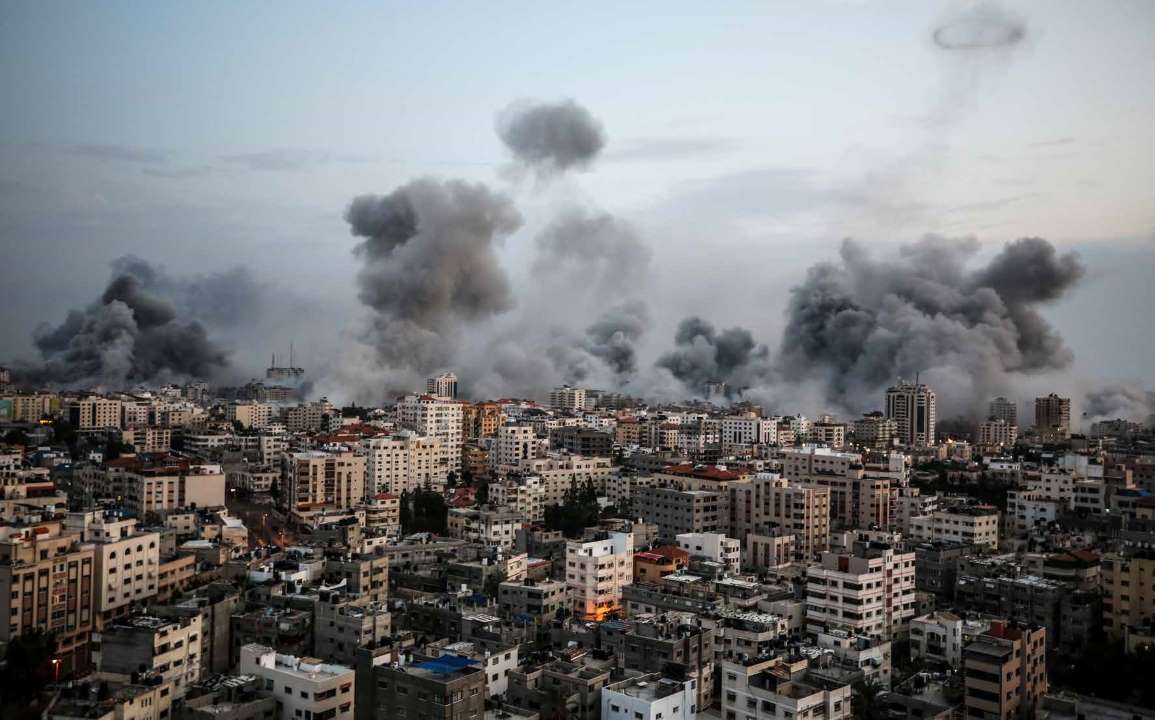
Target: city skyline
{"points": [[716, 179]]}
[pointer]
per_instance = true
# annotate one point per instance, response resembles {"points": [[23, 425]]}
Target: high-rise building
{"points": [[127, 561], [1053, 415], [912, 407], [997, 432], [869, 591], [874, 430], [567, 398], [404, 462], [442, 386], [596, 572], [1005, 410], [438, 418], [317, 480]]}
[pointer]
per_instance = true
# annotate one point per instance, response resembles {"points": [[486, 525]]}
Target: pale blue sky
{"points": [[745, 144]]}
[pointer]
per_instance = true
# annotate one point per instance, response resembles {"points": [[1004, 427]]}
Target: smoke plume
{"points": [[599, 247], [551, 138], [430, 266], [857, 324], [1120, 402], [703, 355], [144, 328]]}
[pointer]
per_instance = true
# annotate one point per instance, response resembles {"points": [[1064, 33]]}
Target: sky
{"points": [[744, 143]]}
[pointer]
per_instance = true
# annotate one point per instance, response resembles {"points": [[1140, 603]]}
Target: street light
{"points": [[56, 669]]}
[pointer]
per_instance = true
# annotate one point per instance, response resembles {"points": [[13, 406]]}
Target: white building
{"points": [[127, 560], [303, 687], [489, 527], [746, 430], [442, 386], [1026, 510], [997, 432], [972, 525], [437, 418], [713, 546], [776, 689], [868, 592], [650, 697], [513, 445], [937, 637], [596, 572]]}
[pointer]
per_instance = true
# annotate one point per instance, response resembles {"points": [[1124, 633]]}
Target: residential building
{"points": [[538, 599], [94, 413], [486, 526], [937, 638], [875, 430], [596, 572], [968, 524], [47, 580], [404, 462], [714, 547], [582, 441], [869, 591], [168, 648], [567, 398], [1053, 416], [249, 414], [436, 418], [997, 433], [445, 688], [442, 386], [681, 511], [912, 406], [304, 687], [1128, 591], [127, 561], [316, 480], [1003, 409], [513, 445], [650, 697], [1005, 672], [780, 688]]}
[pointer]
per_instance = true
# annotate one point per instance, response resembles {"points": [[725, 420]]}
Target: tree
{"points": [[406, 513], [29, 666], [16, 436], [579, 509], [482, 495], [865, 702], [492, 581], [423, 510], [451, 479]]}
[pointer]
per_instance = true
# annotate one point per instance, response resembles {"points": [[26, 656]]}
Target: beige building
{"points": [[558, 472], [315, 481], [435, 418], [1005, 672], [875, 431], [1053, 416], [780, 688], [94, 413], [869, 591], [250, 414], [596, 572], [997, 433], [157, 489], [47, 578], [127, 561], [147, 439], [568, 398], [489, 527], [1128, 592], [512, 445], [405, 462]]}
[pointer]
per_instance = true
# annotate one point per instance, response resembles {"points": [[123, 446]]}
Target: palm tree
{"points": [[865, 701]]}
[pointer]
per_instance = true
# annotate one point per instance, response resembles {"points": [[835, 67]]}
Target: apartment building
{"points": [[343, 624], [713, 547], [405, 462], [539, 599], [442, 386], [304, 687], [1128, 591], [127, 561], [489, 527], [168, 648], [481, 420], [94, 413], [997, 433], [435, 418], [566, 398], [446, 688], [249, 414], [650, 697], [869, 591], [558, 473], [1005, 672], [780, 688], [973, 525], [875, 430], [912, 406], [513, 444], [770, 550], [681, 511], [937, 638], [596, 572], [314, 481], [47, 580]]}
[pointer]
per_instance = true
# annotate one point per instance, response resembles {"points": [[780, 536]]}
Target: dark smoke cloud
{"points": [[612, 336], [551, 138], [982, 27], [858, 324], [1120, 402], [144, 328], [430, 265], [603, 249], [703, 354]]}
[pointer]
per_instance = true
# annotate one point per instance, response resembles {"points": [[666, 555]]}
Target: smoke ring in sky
{"points": [[982, 30]]}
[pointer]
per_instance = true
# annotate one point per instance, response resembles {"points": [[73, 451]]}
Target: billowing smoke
{"points": [[612, 336], [858, 324], [980, 27], [144, 328], [602, 249], [1120, 402], [550, 138], [430, 266], [704, 355]]}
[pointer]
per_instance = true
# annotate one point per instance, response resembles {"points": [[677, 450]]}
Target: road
{"points": [[267, 525]]}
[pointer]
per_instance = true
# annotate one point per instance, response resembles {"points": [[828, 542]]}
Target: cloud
{"points": [[290, 159], [119, 153], [551, 138], [672, 148]]}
